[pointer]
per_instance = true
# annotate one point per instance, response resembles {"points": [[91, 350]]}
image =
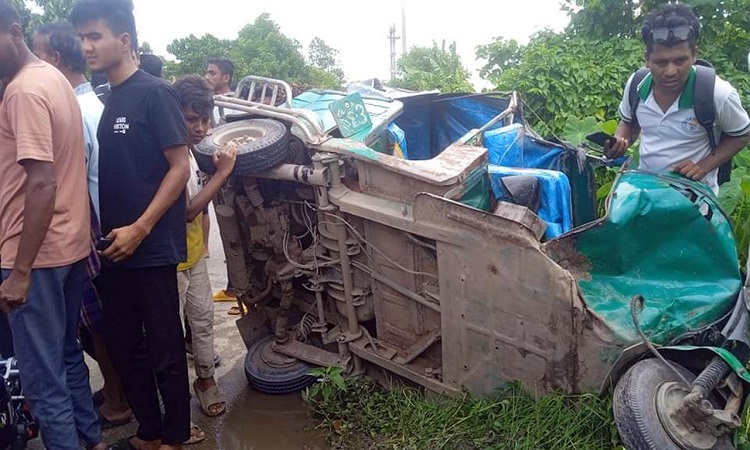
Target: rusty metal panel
{"points": [[401, 321], [507, 309]]}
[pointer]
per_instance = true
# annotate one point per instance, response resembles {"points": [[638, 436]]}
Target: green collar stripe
{"points": [[686, 99]]}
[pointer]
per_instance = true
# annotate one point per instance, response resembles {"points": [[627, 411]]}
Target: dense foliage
{"points": [[436, 67], [260, 49]]}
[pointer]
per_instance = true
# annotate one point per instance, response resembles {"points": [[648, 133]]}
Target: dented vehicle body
{"points": [[473, 260]]}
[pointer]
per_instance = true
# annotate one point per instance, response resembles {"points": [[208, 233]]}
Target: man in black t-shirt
{"points": [[143, 170]]}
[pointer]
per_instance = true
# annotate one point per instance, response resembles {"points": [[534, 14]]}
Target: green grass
{"points": [[366, 416]]}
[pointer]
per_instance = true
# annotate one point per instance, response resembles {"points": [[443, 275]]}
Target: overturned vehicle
{"points": [[438, 238]]}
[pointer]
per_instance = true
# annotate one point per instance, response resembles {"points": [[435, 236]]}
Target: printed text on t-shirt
{"points": [[121, 125]]}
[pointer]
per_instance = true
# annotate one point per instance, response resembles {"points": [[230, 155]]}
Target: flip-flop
{"points": [[106, 424], [195, 429], [209, 397]]}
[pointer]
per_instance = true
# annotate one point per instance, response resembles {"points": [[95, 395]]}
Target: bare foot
{"points": [[101, 446]]}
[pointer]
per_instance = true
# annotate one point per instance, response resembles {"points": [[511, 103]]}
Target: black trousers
{"points": [[144, 337]]}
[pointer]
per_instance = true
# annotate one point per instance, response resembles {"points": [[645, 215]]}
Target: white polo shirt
{"points": [[668, 138]]}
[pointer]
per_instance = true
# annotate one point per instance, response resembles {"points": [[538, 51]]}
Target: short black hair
{"points": [[64, 40], [8, 14], [195, 93], [151, 64], [670, 16], [225, 65], [117, 14]]}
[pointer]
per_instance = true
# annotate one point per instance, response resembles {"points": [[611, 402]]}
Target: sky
{"points": [[357, 29]]}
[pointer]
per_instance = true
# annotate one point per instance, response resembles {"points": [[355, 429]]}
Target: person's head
{"points": [[197, 102], [58, 44], [151, 64], [13, 48], [219, 74], [107, 32], [670, 34]]}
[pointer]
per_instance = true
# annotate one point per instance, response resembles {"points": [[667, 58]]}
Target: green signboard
{"points": [[350, 115]]}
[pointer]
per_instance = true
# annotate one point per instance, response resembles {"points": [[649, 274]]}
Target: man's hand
{"points": [[13, 291], [224, 161], [616, 149], [690, 170], [125, 242]]}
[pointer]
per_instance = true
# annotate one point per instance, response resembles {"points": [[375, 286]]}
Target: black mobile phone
{"points": [[103, 243], [601, 138]]}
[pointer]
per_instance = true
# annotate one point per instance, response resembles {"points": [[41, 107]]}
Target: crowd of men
{"points": [[119, 268]]}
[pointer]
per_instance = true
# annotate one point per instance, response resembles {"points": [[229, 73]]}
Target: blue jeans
{"points": [[54, 377]]}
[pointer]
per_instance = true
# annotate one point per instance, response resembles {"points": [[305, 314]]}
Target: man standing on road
{"points": [[671, 136], [219, 74], [58, 44], [44, 238], [143, 170]]}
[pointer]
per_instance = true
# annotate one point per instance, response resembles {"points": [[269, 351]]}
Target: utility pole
{"points": [[403, 27], [393, 38]]}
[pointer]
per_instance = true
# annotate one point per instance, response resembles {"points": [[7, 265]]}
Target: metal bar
{"points": [[404, 371], [309, 129], [274, 95], [310, 354], [406, 292], [419, 347], [301, 174]]}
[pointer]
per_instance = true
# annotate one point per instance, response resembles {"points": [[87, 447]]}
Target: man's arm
{"points": [[727, 148], [39, 206], [224, 162], [127, 239]]}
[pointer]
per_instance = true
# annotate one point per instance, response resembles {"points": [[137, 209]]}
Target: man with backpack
{"points": [[690, 120]]}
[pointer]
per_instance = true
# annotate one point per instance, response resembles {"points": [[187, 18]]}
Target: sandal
{"points": [[210, 397], [196, 435]]}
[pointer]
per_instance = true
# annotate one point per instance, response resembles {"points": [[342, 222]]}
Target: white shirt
{"points": [[91, 111], [668, 138]]}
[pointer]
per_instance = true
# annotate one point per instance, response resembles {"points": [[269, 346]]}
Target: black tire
{"points": [[634, 405], [271, 380], [267, 145]]}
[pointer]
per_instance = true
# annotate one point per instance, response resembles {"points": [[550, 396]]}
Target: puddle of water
{"points": [[269, 422]]}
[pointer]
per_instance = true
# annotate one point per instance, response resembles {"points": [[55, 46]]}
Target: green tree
{"points": [[260, 49], [582, 71], [44, 11], [324, 57], [426, 68], [192, 53]]}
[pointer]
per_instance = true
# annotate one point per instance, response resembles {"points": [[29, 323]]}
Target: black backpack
{"points": [[703, 105]]}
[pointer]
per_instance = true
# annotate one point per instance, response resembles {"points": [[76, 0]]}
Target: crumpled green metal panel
{"points": [[664, 238]]}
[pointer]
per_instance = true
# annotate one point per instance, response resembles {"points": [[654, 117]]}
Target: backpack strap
{"points": [[703, 100], [633, 98]]}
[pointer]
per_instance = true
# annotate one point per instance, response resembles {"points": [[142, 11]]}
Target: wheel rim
{"points": [[669, 401]]}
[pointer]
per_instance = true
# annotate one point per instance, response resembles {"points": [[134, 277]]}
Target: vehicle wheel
{"points": [[273, 373], [635, 408], [261, 145]]}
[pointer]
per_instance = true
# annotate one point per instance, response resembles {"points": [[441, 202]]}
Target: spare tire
{"points": [[261, 145]]}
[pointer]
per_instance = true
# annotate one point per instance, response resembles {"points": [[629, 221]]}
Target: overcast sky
{"points": [[358, 29]]}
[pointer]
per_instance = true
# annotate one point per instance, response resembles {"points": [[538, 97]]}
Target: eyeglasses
{"points": [[678, 34]]}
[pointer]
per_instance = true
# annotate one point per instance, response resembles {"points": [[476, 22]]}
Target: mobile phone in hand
{"points": [[103, 243], [601, 138]]}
